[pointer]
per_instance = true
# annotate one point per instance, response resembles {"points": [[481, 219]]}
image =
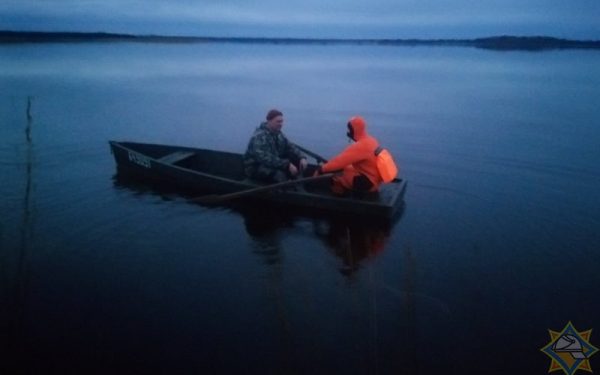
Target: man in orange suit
{"points": [[358, 162]]}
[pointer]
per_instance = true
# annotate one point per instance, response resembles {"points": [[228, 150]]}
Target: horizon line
{"points": [[187, 36], [498, 42]]}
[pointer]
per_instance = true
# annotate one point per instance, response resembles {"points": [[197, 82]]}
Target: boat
{"points": [[202, 171]]}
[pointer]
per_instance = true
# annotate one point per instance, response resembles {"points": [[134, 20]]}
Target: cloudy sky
{"points": [[574, 19]]}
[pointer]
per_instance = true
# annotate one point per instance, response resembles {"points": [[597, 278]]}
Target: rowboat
{"points": [[201, 171]]}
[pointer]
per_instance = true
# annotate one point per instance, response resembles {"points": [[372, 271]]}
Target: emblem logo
{"points": [[569, 350]]}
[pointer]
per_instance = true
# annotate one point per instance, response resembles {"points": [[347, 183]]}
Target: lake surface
{"points": [[499, 239]]}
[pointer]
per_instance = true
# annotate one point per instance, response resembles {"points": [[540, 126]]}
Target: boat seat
{"points": [[175, 157]]}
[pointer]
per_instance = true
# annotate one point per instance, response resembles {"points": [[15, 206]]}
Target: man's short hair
{"points": [[273, 113]]}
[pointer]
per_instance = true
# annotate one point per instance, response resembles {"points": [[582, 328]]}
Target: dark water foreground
{"points": [[497, 243]]}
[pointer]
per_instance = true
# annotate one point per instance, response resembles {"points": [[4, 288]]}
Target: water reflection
{"points": [[267, 245], [351, 239], [18, 285], [379, 311], [263, 229]]}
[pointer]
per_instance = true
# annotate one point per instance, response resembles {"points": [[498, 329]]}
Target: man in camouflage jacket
{"points": [[270, 156]]}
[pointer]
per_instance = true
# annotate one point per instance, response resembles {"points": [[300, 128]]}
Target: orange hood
{"points": [[357, 128]]}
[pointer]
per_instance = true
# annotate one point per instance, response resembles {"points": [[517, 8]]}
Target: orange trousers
{"points": [[345, 182]]}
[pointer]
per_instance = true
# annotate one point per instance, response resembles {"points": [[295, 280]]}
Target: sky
{"points": [[424, 19]]}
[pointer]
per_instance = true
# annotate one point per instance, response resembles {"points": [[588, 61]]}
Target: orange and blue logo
{"points": [[570, 350]]}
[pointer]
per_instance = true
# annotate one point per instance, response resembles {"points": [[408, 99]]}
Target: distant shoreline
{"points": [[502, 43]]}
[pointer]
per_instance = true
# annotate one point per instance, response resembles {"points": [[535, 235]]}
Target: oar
{"points": [[216, 198], [317, 157]]}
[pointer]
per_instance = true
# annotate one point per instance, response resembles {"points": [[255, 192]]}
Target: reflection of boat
{"points": [[199, 170], [352, 240]]}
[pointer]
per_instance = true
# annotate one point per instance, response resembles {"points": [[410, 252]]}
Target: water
{"points": [[498, 241]]}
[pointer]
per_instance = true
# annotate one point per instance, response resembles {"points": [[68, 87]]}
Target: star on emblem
{"points": [[569, 350]]}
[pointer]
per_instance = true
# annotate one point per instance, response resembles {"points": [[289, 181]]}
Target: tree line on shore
{"points": [[495, 43]]}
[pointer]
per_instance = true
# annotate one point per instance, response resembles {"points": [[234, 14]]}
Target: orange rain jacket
{"points": [[358, 158]]}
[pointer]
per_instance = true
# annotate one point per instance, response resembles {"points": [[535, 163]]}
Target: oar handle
{"points": [[317, 157]]}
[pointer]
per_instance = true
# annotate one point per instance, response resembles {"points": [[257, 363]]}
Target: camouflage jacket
{"points": [[269, 149]]}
